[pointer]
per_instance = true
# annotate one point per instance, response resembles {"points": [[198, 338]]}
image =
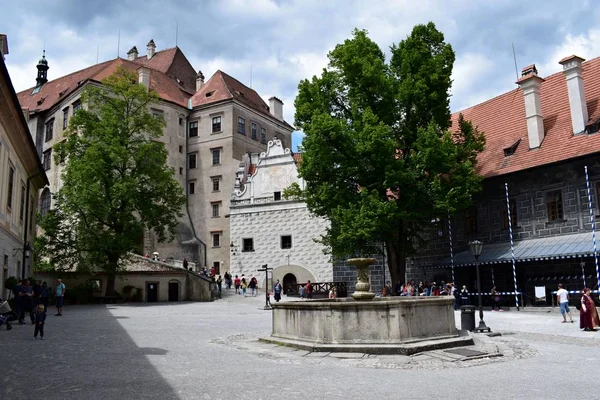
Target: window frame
{"points": [[287, 246], [216, 239], [76, 106], [23, 200], [192, 187], [47, 159], [192, 160], [213, 152], [250, 243], [65, 118], [193, 129], [11, 186], [263, 135], [217, 267], [277, 196], [215, 209], [215, 125], [254, 131], [49, 131], [559, 207], [45, 201], [241, 125], [470, 221], [217, 180]]}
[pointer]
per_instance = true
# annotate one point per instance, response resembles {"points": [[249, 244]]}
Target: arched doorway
{"points": [[288, 279]]}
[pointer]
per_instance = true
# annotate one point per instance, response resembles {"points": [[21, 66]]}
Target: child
{"points": [[40, 318], [244, 285]]}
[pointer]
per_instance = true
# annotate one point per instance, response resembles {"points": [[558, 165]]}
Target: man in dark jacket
{"points": [[26, 295]]}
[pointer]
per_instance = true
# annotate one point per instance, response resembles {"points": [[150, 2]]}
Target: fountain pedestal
{"points": [[363, 287]]}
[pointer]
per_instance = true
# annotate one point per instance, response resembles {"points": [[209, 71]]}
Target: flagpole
{"points": [[512, 246], [593, 222], [451, 247]]}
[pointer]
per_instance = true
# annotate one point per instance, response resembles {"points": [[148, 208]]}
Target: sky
{"points": [[271, 45]]}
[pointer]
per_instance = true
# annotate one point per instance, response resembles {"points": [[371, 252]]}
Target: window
{"points": [[513, 214], [49, 130], [180, 121], [263, 135], [45, 202], [471, 221], [47, 159], [11, 183], [217, 267], [216, 184], [192, 161], [216, 156], [180, 171], [76, 106], [65, 118], [216, 124], [31, 214], [194, 129], [192, 187], [216, 209], [216, 240], [437, 228], [241, 125], [554, 205], [248, 244], [277, 196], [286, 242], [180, 149], [254, 131], [23, 199], [157, 114]]}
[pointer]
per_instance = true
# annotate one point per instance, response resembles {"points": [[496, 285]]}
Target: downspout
{"points": [[187, 194]]}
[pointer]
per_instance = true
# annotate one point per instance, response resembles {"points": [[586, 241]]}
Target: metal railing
{"points": [[319, 289]]}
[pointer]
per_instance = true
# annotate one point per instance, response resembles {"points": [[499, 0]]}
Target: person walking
{"points": [[17, 293], [219, 283], [227, 278], [185, 263], [562, 298], [252, 286], [40, 320], [588, 315], [45, 296], [277, 289], [26, 295], [236, 284], [496, 299], [243, 285], [308, 290], [59, 296]]}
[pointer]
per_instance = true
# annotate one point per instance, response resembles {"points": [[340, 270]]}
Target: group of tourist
{"points": [[588, 314], [33, 298], [241, 284]]}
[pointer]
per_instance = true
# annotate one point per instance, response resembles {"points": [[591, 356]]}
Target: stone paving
{"points": [[210, 351]]}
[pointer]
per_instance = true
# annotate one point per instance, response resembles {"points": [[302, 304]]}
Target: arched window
{"points": [[45, 202]]}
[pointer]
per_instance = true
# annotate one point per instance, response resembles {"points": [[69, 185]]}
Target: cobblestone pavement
{"points": [[209, 351]]}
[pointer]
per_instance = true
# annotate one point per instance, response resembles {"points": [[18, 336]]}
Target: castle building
{"points": [[267, 228], [209, 126], [21, 177]]}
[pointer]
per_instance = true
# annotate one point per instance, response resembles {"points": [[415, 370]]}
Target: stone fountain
{"points": [[367, 324]]}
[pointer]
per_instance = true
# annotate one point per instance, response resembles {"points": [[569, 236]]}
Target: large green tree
{"points": [[381, 159], [115, 180]]}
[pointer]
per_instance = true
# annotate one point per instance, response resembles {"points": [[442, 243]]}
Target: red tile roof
{"points": [[173, 63], [502, 119], [54, 91], [222, 87], [297, 157]]}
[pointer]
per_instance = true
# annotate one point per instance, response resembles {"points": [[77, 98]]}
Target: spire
{"points": [[42, 67]]}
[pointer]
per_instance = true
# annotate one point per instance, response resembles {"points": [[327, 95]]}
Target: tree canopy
{"points": [[380, 158], [115, 180]]}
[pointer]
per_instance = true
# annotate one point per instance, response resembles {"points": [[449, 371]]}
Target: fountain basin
{"points": [[397, 325]]}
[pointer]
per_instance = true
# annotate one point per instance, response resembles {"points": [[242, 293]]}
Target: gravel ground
{"points": [[209, 351]]}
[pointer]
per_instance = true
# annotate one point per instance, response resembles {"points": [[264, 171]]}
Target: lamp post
{"points": [[476, 248], [26, 250]]}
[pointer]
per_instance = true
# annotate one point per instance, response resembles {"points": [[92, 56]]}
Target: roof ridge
{"points": [[221, 73]]}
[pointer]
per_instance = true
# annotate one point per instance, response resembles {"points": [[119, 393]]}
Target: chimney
{"points": [[132, 54], [3, 45], [151, 48], [144, 77], [276, 108], [199, 80], [579, 113], [531, 83]]}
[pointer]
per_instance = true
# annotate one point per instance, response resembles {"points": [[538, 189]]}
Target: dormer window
{"points": [[509, 151], [277, 196], [209, 94]]}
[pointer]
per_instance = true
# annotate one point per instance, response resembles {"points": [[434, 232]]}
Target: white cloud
{"points": [[586, 45]]}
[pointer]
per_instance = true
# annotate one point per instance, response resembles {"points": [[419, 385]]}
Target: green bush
{"points": [[82, 293], [10, 283], [139, 294], [127, 292]]}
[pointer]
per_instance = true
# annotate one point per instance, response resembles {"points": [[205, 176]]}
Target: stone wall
{"points": [[344, 272]]}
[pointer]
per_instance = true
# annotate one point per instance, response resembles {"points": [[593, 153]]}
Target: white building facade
{"points": [[268, 229]]}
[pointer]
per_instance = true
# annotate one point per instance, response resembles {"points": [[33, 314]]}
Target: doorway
{"points": [[174, 291], [152, 291], [288, 279]]}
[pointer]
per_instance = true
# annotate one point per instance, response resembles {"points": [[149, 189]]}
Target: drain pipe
{"points": [[187, 189]]}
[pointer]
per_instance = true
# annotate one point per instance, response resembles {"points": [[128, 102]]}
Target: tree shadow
{"points": [[87, 354]]}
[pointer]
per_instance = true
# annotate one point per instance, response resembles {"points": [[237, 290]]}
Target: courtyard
{"points": [[208, 351]]}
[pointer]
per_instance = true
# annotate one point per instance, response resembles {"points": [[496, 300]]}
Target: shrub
{"points": [[127, 292], [10, 283], [139, 294]]}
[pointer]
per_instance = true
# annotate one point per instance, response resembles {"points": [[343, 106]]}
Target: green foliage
{"points": [[116, 182], [139, 294], [10, 283], [380, 160]]}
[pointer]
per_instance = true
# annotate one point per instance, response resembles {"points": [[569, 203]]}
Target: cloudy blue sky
{"points": [[284, 41]]}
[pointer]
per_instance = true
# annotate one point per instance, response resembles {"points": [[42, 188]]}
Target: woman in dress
{"points": [[588, 315]]}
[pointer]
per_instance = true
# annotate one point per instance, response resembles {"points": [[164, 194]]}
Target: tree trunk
{"points": [[396, 262], [111, 270], [110, 285]]}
